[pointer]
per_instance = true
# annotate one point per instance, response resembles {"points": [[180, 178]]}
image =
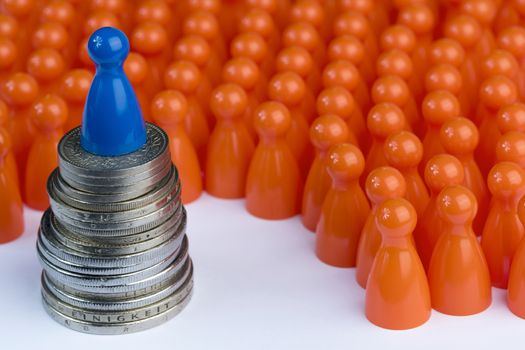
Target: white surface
{"points": [[258, 285]]}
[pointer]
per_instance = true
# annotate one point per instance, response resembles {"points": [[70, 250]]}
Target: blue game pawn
{"points": [[112, 123]]}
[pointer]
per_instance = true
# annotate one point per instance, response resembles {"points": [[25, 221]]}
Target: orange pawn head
{"points": [[511, 117]]}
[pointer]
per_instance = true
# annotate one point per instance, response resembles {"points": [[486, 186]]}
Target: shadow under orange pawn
{"points": [[459, 137], [185, 77], [503, 230], [381, 184], [11, 208], [384, 119], [230, 147], [458, 274], [441, 171], [516, 285], [289, 89], [273, 185], [137, 69], [74, 89], [344, 208], [437, 108], [20, 90], [48, 116], [326, 131], [245, 73], [169, 109], [397, 292], [404, 152]]}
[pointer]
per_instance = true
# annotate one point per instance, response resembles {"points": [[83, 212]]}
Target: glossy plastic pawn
{"points": [[137, 69], [326, 131], [344, 210], [516, 285], [11, 207], [111, 94], [169, 108], [397, 292], [49, 116], [441, 171], [273, 184], [404, 152], [185, 77], [503, 230], [381, 184], [73, 89], [47, 66], [458, 274], [230, 147]]}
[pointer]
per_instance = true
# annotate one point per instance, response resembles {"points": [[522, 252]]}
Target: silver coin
{"points": [[122, 245], [175, 272], [99, 303], [115, 181], [142, 187], [48, 241], [161, 316], [118, 228], [105, 244], [79, 279], [98, 198], [130, 289], [78, 161], [83, 200], [169, 193]]}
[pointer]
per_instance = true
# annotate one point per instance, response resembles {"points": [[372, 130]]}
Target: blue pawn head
{"points": [[112, 124]]}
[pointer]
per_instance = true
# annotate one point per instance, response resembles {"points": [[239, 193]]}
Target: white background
{"points": [[258, 285]]}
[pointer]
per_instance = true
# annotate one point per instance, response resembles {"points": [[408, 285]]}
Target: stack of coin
{"points": [[113, 245]]}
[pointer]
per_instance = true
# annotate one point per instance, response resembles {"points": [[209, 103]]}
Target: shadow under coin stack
{"points": [[113, 245]]}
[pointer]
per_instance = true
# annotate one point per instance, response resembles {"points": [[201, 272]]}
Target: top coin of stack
{"points": [[113, 244]]}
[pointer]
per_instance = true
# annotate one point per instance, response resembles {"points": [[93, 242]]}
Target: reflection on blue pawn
{"points": [[112, 124]]}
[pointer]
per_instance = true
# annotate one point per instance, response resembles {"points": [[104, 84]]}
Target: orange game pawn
{"points": [[185, 77], [8, 57], [136, 68], [511, 148], [503, 230], [230, 147], [441, 171], [169, 109], [383, 120], [47, 66], [344, 210], [516, 286], [52, 35], [458, 274], [48, 117], [404, 152], [245, 73], [326, 131], [20, 90], [381, 184], [459, 137], [397, 292], [252, 45], [74, 89], [495, 92], [511, 117], [11, 208], [289, 89], [438, 107], [9, 160], [273, 185]]}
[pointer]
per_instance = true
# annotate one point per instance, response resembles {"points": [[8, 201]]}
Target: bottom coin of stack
{"points": [[113, 245]]}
